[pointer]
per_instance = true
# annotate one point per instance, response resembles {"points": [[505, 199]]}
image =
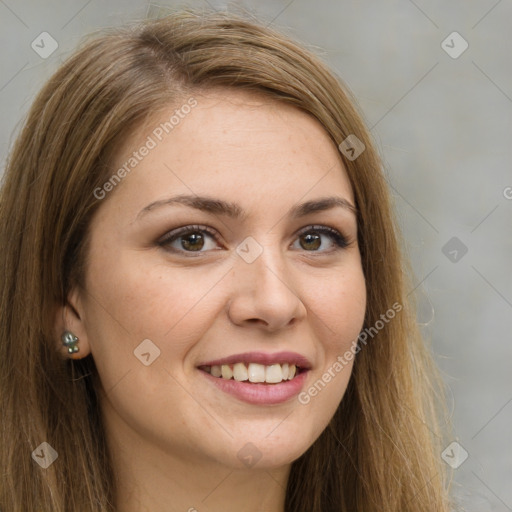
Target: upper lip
{"points": [[262, 358]]}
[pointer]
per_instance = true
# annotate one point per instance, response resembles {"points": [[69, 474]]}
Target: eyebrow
{"points": [[234, 211]]}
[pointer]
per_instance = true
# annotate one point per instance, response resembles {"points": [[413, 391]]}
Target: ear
{"points": [[70, 317]]}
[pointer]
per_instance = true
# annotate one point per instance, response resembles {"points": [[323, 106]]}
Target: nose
{"points": [[265, 292]]}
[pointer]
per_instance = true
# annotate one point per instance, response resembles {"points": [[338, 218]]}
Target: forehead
{"points": [[232, 144]]}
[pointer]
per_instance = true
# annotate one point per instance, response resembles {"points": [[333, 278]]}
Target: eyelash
{"points": [[339, 239]]}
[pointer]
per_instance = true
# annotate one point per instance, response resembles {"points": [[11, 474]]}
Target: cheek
{"points": [[146, 300], [132, 301], [340, 305]]}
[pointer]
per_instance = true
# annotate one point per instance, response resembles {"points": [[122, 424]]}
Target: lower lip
{"points": [[260, 393]]}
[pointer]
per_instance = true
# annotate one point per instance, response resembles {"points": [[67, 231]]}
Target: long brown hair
{"points": [[380, 451]]}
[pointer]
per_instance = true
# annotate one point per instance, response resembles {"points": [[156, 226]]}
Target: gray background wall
{"points": [[443, 126]]}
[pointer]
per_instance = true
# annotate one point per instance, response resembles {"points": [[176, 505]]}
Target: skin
{"points": [[174, 436]]}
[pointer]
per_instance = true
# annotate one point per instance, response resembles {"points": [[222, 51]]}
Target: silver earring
{"points": [[70, 341]]}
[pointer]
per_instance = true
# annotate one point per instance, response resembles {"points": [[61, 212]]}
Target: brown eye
{"points": [[192, 242], [197, 239], [311, 239]]}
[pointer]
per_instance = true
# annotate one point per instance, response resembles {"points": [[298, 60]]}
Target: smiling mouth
{"points": [[254, 372]]}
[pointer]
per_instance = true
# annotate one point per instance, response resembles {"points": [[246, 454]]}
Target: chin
{"points": [[265, 453]]}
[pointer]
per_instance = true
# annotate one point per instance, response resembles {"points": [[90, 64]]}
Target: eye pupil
{"points": [[313, 239], [193, 238]]}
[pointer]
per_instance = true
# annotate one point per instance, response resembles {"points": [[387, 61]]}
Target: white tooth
{"points": [[227, 373], [284, 370], [256, 372], [215, 370], [273, 373], [291, 371], [240, 372]]}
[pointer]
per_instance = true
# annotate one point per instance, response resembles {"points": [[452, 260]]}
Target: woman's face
{"points": [[242, 276]]}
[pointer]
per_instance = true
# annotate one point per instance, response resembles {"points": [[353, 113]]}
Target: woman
{"points": [[204, 304]]}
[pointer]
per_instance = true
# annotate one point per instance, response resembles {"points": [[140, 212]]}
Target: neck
{"points": [[149, 483], [149, 478]]}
